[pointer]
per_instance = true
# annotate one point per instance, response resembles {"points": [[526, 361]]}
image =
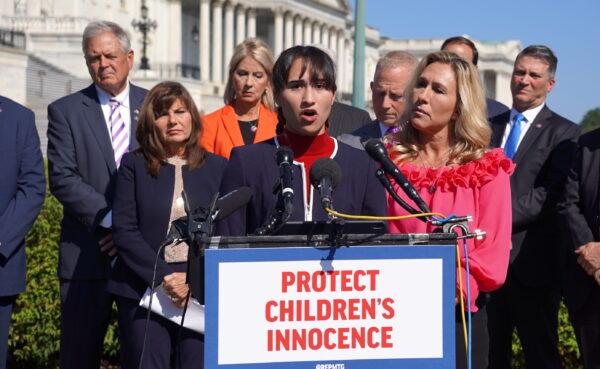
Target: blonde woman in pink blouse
{"points": [[442, 148]]}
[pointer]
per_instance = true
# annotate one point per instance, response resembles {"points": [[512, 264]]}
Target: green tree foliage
{"points": [[590, 121]]}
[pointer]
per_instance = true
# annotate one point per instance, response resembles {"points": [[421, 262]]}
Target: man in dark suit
{"points": [[346, 118], [579, 215], [466, 49], [88, 133], [541, 143], [392, 74], [22, 188]]}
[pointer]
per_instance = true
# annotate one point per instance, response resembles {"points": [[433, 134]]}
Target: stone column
{"points": [[251, 22], [175, 51], [289, 30], [341, 60], [333, 45], [316, 38], [325, 37], [204, 40], [298, 30], [278, 31], [229, 34], [307, 39], [240, 21], [217, 40]]}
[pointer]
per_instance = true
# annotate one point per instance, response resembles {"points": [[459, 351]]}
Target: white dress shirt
{"points": [[529, 115]]}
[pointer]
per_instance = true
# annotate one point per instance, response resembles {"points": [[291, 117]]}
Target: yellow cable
{"points": [[462, 301], [372, 217]]}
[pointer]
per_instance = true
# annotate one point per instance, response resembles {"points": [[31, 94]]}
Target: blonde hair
{"points": [[469, 128], [259, 51]]}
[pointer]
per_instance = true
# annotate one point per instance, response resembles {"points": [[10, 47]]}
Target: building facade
{"points": [[40, 43]]}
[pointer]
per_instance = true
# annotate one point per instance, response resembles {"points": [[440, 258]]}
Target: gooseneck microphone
{"points": [[284, 158], [325, 174], [376, 149]]}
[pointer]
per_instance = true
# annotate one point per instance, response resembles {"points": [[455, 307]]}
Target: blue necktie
{"points": [[510, 148]]}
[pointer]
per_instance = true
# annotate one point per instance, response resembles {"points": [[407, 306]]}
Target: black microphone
{"points": [[230, 202], [325, 174], [377, 151], [284, 158]]}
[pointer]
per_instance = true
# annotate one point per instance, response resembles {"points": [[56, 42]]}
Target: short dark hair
{"points": [[543, 53], [322, 69], [462, 41], [158, 101]]}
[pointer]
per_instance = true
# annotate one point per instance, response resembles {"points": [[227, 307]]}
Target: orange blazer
{"points": [[221, 131]]}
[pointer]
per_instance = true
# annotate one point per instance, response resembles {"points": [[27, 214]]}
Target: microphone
{"points": [[325, 174], [377, 151], [284, 158], [230, 202]]}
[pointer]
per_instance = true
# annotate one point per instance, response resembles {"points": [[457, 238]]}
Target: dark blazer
{"points": [[141, 211], [542, 160], [345, 119], [22, 188], [495, 108], [358, 138], [82, 173], [359, 191], [579, 215]]}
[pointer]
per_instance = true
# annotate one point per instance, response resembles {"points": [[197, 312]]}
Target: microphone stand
{"points": [[385, 182], [280, 214]]}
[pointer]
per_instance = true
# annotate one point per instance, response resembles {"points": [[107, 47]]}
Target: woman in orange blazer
{"points": [[248, 115]]}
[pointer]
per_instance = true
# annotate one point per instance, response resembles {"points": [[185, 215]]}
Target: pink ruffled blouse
{"points": [[480, 188]]}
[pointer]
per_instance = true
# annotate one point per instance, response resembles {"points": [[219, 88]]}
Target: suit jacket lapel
{"points": [[92, 113], [232, 126], [499, 124], [539, 124], [263, 130], [136, 97]]}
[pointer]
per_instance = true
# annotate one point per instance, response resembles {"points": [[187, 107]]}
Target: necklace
{"points": [[438, 168]]}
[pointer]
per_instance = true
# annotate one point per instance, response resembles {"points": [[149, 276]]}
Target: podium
{"points": [[365, 301]]}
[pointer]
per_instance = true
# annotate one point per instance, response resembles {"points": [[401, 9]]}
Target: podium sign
{"points": [[350, 307]]}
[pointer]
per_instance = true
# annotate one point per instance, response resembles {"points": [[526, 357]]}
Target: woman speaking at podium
{"points": [[442, 148], [147, 201], [304, 90]]}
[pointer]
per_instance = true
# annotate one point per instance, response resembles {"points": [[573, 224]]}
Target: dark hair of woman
{"points": [[157, 103], [321, 66]]}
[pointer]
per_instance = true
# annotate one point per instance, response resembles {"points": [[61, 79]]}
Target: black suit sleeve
{"points": [[133, 249], [576, 229], [21, 211], [233, 178], [66, 184], [543, 196]]}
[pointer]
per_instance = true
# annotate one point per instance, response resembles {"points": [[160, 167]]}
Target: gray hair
{"points": [[96, 28], [543, 53], [396, 59]]}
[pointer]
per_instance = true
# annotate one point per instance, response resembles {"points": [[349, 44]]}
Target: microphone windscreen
{"points": [[376, 149], [325, 167], [284, 155], [232, 201]]}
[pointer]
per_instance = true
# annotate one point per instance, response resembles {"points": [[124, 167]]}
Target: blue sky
{"points": [[571, 28]]}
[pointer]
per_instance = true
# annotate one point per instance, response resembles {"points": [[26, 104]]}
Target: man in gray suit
{"points": [[88, 133], [392, 74]]}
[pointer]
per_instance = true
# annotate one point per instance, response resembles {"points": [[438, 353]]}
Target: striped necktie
{"points": [[118, 133]]}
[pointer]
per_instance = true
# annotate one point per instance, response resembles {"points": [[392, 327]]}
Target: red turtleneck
{"points": [[307, 150]]}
